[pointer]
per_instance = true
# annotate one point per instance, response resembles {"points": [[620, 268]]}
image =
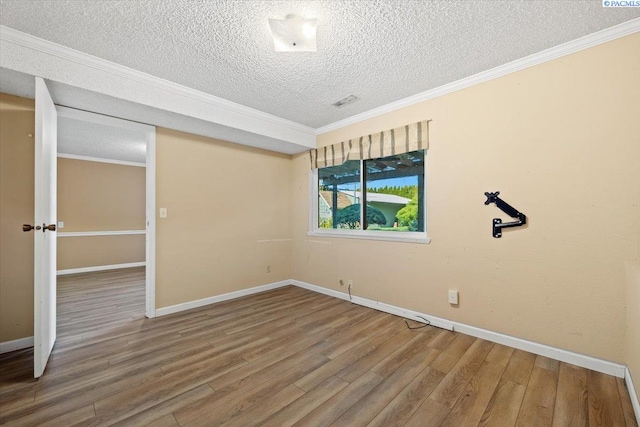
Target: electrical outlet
{"points": [[163, 212], [268, 269], [453, 297], [60, 224], [350, 283]]}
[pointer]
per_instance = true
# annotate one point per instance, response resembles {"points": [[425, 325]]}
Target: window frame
{"points": [[394, 236]]}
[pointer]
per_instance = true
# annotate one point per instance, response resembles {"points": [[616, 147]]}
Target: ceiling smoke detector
{"points": [[346, 100], [294, 34]]}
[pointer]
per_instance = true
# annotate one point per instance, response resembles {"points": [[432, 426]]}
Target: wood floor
{"points": [[281, 358]]}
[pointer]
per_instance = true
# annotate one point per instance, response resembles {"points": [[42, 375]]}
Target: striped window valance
{"points": [[400, 140]]}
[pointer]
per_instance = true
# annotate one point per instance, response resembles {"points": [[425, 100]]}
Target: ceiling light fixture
{"points": [[294, 34]]}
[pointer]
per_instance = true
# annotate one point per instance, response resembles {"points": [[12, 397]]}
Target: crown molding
{"points": [[101, 160], [66, 53], [32, 42], [585, 42], [101, 119]]}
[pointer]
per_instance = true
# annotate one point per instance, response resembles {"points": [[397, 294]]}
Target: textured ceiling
{"points": [[82, 138], [380, 51], [21, 84]]}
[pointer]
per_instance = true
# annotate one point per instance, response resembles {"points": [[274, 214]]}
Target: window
{"points": [[392, 207], [338, 196]]}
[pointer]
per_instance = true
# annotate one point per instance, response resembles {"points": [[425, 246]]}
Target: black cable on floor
{"points": [[428, 322]]}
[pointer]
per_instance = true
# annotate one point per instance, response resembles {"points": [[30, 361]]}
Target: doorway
{"points": [[105, 166], [30, 160]]}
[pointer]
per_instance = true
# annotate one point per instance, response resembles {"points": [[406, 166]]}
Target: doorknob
{"points": [[46, 227], [28, 227]]}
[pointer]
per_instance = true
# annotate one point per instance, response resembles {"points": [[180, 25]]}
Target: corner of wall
{"points": [[633, 328]]}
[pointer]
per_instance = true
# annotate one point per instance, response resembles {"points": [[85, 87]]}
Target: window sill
{"points": [[392, 236]]}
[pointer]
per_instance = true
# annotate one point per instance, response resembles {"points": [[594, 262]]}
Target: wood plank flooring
{"points": [[283, 358]]}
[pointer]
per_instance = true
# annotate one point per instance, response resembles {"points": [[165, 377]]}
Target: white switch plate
{"points": [[60, 224], [453, 297], [163, 212]]}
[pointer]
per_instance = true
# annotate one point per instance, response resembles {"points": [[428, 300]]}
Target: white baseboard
{"points": [[555, 353], [100, 268], [577, 359], [19, 344], [376, 305], [632, 393], [219, 298]]}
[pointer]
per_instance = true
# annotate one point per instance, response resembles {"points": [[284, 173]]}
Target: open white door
{"points": [[44, 334]]}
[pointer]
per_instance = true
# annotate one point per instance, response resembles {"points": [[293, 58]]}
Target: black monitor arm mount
{"points": [[498, 225]]}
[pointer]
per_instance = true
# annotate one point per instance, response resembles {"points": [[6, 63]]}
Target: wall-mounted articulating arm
{"points": [[498, 225]]}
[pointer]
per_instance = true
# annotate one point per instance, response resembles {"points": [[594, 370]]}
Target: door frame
{"points": [[150, 245]]}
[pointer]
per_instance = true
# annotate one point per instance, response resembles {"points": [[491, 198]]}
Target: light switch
{"points": [[453, 297], [163, 212], [60, 224]]}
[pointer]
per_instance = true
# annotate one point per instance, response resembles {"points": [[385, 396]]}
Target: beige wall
{"points": [[78, 252], [17, 121], [95, 196], [561, 141], [229, 215]]}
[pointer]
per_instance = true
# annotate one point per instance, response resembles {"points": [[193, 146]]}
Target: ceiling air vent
{"points": [[346, 100]]}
